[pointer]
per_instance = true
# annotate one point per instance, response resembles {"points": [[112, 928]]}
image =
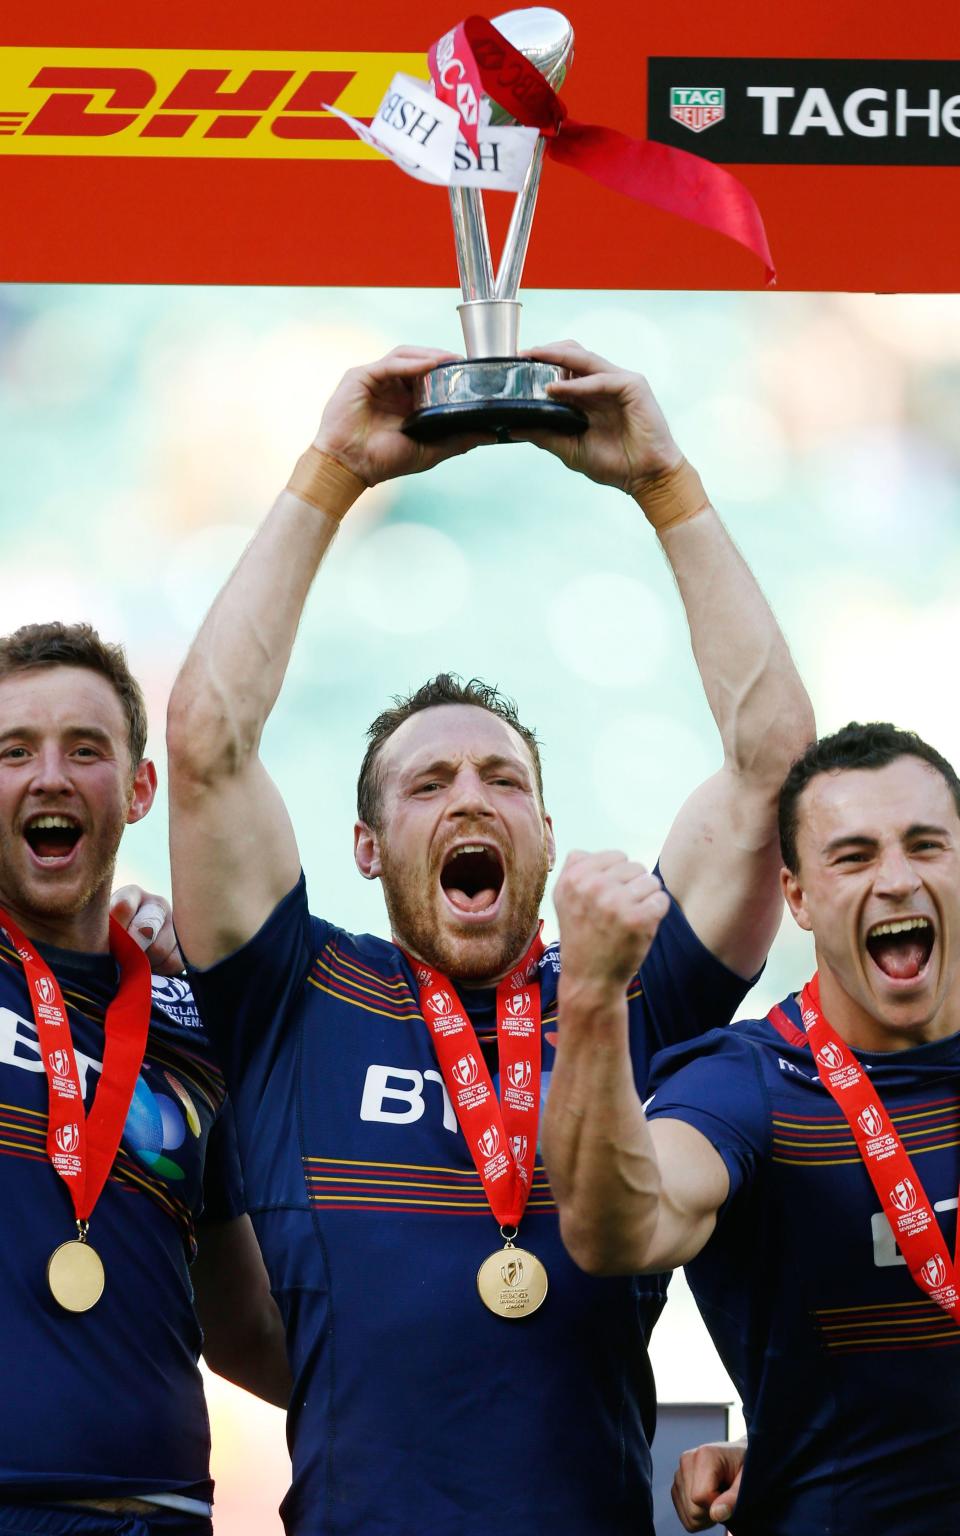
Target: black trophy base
{"points": [[490, 394]]}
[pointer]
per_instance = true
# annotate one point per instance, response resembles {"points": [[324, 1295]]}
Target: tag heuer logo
{"points": [[697, 106]]}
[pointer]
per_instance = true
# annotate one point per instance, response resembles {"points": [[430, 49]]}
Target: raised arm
{"points": [[721, 859], [631, 1197], [233, 850]]}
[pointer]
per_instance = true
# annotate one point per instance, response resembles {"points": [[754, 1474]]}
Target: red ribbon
{"points": [[502, 1138], [902, 1196], [670, 179]]}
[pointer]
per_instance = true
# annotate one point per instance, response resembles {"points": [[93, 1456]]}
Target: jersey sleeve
{"points": [[246, 1000], [223, 1197], [717, 1086], [686, 990]]}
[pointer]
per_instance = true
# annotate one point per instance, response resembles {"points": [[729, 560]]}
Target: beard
{"points": [[57, 899], [422, 924]]}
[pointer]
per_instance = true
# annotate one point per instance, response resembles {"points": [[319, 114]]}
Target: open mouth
{"points": [[52, 837], [901, 948], [472, 877]]}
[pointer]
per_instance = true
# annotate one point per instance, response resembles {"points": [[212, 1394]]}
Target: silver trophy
{"points": [[494, 389]]}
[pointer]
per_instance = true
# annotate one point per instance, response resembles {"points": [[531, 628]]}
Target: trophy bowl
{"points": [[491, 394]]}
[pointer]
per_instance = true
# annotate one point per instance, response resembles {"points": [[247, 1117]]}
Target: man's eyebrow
{"points": [[926, 829], [447, 765], [849, 840], [861, 840], [30, 733]]}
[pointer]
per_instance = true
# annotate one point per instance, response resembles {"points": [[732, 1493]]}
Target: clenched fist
{"points": [[609, 910]]}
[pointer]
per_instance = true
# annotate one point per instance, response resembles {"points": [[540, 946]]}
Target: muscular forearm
{"points": [[233, 674], [596, 1144], [755, 694]]}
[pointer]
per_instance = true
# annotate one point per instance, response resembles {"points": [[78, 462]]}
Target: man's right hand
{"points": [[609, 910], [361, 425], [707, 1482]]}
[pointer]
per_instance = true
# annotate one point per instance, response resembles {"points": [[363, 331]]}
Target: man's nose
{"points": [[896, 876], [471, 796], [51, 772]]}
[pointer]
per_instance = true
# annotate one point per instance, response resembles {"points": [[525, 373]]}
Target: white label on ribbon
{"points": [[421, 135], [504, 157], [416, 130]]}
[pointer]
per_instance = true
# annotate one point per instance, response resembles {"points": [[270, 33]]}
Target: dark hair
{"points": [[79, 645], [855, 746], [445, 688]]}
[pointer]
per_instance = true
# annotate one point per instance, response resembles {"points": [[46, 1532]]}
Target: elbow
{"points": [[603, 1249], [204, 743], [800, 729], [762, 761]]}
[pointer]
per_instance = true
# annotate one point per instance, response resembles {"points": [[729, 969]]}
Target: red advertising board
{"points": [[189, 143]]}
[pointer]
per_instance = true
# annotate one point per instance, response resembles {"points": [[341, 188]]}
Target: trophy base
{"points": [[490, 394]]}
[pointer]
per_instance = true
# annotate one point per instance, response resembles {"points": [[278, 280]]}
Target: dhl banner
{"points": [[191, 103], [196, 143]]}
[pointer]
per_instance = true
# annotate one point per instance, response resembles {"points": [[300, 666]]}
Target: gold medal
{"points": [[75, 1276], [512, 1282]]}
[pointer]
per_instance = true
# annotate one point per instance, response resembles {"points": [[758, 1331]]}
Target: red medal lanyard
{"points": [[502, 1137], [82, 1147], [897, 1183]]}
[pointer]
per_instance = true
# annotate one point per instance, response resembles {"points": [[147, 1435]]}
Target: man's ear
{"points": [[796, 899], [551, 843], [143, 792], [366, 851]]}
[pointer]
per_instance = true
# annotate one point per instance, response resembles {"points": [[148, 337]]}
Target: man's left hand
{"points": [[707, 1483], [149, 920], [627, 440]]}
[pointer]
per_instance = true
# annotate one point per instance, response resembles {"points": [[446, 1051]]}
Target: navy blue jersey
{"points": [[850, 1376], [108, 1402], [414, 1408]]}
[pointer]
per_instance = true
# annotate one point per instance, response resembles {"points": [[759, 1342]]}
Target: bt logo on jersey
{"points": [[395, 1096]]}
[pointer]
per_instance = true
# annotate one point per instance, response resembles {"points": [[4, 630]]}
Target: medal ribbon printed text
{"points": [[82, 1147], [502, 1137]]}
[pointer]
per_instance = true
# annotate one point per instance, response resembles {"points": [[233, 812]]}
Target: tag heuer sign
{"points": [[697, 106]]}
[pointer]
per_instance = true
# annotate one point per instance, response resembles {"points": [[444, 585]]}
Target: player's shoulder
{"points": [[741, 1057], [365, 950], [735, 1050]]}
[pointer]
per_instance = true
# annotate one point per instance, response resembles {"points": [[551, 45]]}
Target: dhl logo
{"points": [[234, 104]]}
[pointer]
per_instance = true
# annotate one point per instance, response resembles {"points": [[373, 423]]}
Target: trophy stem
{"points": [[491, 327], [474, 262], [521, 223]]}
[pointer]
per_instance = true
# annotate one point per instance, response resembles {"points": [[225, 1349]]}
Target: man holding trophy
{"points": [[452, 1367], [380, 1156]]}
